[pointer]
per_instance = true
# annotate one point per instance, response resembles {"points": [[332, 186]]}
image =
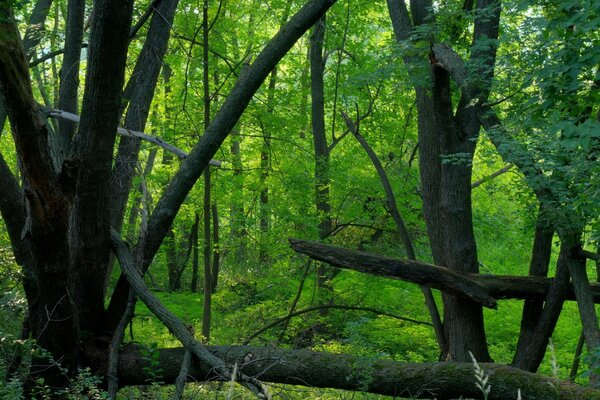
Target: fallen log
{"points": [[408, 270], [347, 372], [465, 285]]}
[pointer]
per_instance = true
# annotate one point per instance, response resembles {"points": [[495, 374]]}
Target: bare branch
{"points": [[485, 179], [126, 132]]}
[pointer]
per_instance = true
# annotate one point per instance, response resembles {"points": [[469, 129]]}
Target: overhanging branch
{"points": [[126, 132]]}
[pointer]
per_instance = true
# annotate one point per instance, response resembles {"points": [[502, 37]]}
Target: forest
{"points": [[300, 199]]}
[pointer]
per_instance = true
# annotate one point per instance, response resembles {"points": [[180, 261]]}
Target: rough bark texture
{"points": [[442, 381], [92, 150], [530, 352], [43, 236], [413, 271]]}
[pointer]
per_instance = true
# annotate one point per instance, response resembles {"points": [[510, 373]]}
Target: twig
{"points": [[329, 306], [485, 179]]}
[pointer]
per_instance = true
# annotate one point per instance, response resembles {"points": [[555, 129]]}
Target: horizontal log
{"points": [[412, 271], [324, 370], [495, 286]]}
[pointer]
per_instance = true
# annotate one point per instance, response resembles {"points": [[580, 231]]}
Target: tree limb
{"points": [[50, 112], [413, 271], [485, 179], [481, 286]]}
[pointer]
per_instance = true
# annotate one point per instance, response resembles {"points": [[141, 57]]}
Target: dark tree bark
{"points": [[195, 255], [484, 289], [69, 76], [92, 151], [446, 186], [62, 287], [532, 309], [139, 96], [442, 381], [33, 35]]}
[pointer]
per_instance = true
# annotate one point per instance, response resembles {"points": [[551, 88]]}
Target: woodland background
{"points": [[225, 266]]}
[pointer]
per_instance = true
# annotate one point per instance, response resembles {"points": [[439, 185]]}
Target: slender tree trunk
{"points": [[530, 351], [532, 309], [222, 124], [322, 198], [195, 255], [172, 262], [69, 75], [403, 232], [216, 262], [206, 316]]}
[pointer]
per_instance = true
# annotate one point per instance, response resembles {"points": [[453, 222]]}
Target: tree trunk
{"points": [[402, 231], [195, 256], [442, 381], [206, 315], [216, 262], [69, 75], [532, 308], [322, 182]]}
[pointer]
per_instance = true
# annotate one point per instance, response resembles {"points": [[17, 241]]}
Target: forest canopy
{"points": [[395, 198]]}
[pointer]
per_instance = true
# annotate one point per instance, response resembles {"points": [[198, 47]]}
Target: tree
{"points": [[62, 211]]}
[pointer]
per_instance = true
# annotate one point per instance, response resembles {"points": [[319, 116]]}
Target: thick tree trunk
{"points": [[92, 151], [442, 381]]}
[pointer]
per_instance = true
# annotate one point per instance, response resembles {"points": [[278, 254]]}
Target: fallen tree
{"points": [[324, 370], [478, 287]]}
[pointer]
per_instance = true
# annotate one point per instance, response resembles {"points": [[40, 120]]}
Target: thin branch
{"points": [[50, 112], [589, 255], [485, 179], [330, 306]]}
